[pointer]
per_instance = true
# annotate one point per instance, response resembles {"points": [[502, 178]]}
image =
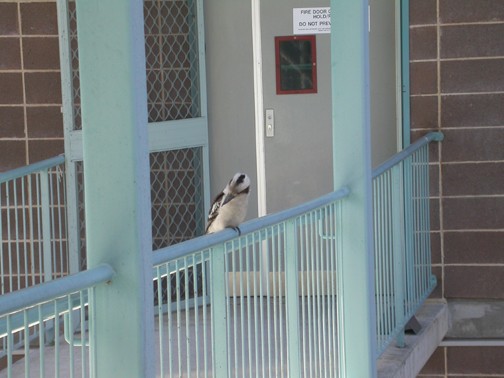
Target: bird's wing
{"points": [[214, 209]]}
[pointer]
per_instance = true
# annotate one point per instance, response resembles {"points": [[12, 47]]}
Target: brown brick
{"points": [[39, 18], [468, 41], [480, 75], [434, 214], [11, 122], [423, 43], [456, 11], [472, 110], [480, 144], [436, 363], [13, 155], [434, 180], [423, 12], [473, 179], [10, 56], [12, 88], [9, 19], [43, 87], [41, 53], [44, 122], [44, 149], [484, 282], [474, 247], [438, 290], [477, 213], [423, 78], [475, 360], [435, 248], [424, 112]]}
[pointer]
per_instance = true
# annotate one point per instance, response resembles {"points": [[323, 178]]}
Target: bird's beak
{"points": [[228, 198]]}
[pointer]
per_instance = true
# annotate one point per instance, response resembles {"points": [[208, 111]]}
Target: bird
{"points": [[230, 206]]}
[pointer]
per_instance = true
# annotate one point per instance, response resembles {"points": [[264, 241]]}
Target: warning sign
{"points": [[312, 20]]}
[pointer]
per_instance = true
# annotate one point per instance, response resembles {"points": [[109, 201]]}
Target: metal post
{"points": [[117, 188], [292, 299], [218, 308], [352, 168], [398, 249]]}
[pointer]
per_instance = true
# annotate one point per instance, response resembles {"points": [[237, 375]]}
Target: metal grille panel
{"points": [[171, 48]]}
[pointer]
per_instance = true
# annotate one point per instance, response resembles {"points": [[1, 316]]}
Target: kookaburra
{"points": [[230, 206]]}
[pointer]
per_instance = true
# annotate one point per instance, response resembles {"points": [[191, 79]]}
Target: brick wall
{"points": [[31, 125], [457, 87]]}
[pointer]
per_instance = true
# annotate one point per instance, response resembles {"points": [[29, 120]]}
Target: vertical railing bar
{"points": [[228, 308], [427, 225], [261, 301], [92, 332], [179, 355], [39, 226], [376, 249], [196, 310], [384, 257], [56, 338], [302, 243], [9, 247], [65, 221], [160, 313], [327, 309], [275, 295], [41, 341], [242, 303], [25, 233], [249, 317], [72, 335], [281, 292], [26, 343], [16, 227], [335, 229], [318, 268], [291, 268], [53, 227], [83, 332], [378, 257], [256, 307], [389, 275], [418, 226], [205, 291], [311, 293], [10, 346], [187, 313], [386, 254], [234, 316], [46, 220], [60, 219], [170, 317]]}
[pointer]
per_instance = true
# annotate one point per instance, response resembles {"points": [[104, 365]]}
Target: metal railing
{"points": [[68, 301], [261, 303], [403, 278]]}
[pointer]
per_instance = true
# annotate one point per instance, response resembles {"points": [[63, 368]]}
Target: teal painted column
{"points": [[352, 168], [116, 163]]}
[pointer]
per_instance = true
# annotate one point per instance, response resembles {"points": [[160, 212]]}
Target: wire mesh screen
{"points": [[176, 198], [171, 51]]}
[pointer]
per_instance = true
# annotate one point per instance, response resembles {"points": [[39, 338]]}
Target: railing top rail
{"points": [[426, 139], [183, 249], [31, 296], [32, 168]]}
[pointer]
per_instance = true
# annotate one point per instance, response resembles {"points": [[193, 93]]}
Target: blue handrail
{"points": [[32, 168], [34, 295], [432, 136]]}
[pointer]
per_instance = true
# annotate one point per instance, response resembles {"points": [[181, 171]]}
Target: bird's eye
{"points": [[240, 179]]}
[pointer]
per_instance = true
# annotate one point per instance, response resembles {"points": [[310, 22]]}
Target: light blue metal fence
{"points": [[403, 277], [25, 312], [263, 304]]}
